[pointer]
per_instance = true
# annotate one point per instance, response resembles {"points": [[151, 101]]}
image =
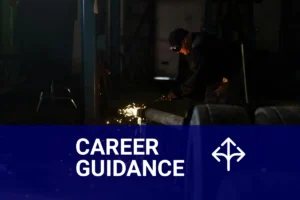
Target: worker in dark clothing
{"points": [[213, 65], [44, 40]]}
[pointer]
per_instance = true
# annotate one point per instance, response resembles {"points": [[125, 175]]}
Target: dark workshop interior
{"points": [[114, 53]]}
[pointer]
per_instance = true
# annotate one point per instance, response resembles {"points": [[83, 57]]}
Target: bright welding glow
{"points": [[131, 110]]}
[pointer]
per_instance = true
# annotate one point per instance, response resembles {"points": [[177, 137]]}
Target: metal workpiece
{"points": [[161, 117]]}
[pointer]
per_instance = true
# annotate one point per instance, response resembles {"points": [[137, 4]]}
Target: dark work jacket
{"points": [[210, 60]]}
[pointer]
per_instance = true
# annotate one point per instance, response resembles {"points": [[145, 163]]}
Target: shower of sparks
{"points": [[131, 110], [128, 115]]}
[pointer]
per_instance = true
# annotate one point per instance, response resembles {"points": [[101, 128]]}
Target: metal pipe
{"points": [[122, 30], [115, 18], [91, 110], [244, 73], [162, 117], [108, 33]]}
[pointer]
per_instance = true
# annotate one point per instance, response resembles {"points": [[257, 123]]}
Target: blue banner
{"points": [[149, 162]]}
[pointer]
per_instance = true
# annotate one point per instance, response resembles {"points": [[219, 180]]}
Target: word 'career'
{"points": [[111, 146]]}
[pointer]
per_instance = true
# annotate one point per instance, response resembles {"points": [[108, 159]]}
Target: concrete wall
{"points": [[187, 14]]}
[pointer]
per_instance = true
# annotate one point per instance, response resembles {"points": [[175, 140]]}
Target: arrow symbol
{"points": [[228, 156]]}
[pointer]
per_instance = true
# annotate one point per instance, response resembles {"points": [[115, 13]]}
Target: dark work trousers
{"points": [[44, 45]]}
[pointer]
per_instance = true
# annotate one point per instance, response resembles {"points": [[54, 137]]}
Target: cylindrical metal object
{"points": [[244, 73], [162, 117], [88, 29]]}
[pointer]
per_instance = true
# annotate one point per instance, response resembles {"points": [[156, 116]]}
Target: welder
{"points": [[215, 66]]}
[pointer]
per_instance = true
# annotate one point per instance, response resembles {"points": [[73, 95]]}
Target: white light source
{"points": [[163, 78]]}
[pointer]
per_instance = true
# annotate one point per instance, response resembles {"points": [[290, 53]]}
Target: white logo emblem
{"points": [[228, 156]]}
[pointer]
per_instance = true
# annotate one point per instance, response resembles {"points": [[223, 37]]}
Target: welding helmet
{"points": [[176, 39]]}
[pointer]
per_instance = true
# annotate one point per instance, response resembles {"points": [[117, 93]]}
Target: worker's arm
{"points": [[187, 87], [198, 78]]}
